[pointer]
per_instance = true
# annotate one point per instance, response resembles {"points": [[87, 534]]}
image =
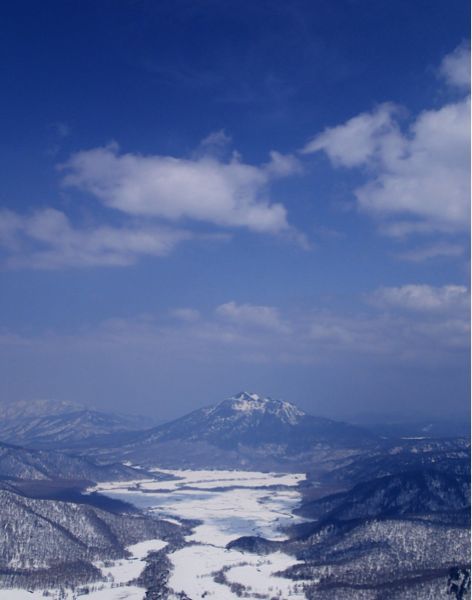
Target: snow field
{"points": [[230, 504]]}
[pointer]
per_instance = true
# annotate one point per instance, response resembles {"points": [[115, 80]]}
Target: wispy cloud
{"points": [[45, 239], [455, 67], [432, 251], [359, 140], [424, 298], [407, 325], [265, 317]]}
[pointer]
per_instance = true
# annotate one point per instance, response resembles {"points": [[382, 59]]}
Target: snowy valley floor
{"points": [[229, 504]]}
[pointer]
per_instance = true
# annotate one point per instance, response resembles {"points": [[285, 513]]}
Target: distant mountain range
{"points": [[387, 515], [54, 424], [29, 409], [234, 428], [244, 431]]}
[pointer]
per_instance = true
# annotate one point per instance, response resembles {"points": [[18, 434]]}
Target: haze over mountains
{"points": [[245, 430], [238, 419], [50, 423]]}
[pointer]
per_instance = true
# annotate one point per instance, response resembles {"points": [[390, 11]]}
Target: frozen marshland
{"points": [[229, 504]]}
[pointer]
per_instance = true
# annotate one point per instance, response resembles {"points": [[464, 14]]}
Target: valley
{"points": [[226, 504], [249, 498]]}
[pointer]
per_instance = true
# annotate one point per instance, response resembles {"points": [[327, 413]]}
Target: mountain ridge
{"points": [[59, 424], [246, 430]]}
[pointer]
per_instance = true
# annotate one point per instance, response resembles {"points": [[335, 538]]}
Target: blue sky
{"points": [[203, 197]]}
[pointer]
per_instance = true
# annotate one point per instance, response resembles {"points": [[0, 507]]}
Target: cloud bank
{"points": [[423, 298], [407, 325]]}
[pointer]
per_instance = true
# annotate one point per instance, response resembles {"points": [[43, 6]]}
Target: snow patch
{"points": [[251, 403]]}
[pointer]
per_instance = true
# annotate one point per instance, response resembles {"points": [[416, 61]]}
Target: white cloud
{"points": [[439, 250], [282, 165], [46, 239], [431, 180], [216, 138], [424, 298], [229, 194], [147, 190], [418, 180], [455, 67], [217, 145], [332, 334], [265, 317], [418, 324], [360, 139]]}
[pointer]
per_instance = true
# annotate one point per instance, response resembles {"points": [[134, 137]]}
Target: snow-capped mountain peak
{"points": [[246, 402], [251, 403], [245, 429]]}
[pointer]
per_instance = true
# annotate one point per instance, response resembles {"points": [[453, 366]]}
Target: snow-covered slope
{"points": [[250, 419], [54, 424], [420, 492], [29, 409], [24, 463], [248, 405], [50, 543], [382, 558], [395, 456], [400, 536]]}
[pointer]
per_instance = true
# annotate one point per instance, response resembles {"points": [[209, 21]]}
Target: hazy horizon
{"points": [[369, 418]]}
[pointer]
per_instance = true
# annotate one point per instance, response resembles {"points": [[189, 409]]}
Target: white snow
{"points": [[230, 504], [203, 480], [195, 567], [103, 592], [16, 594], [260, 576], [127, 569], [250, 403], [118, 574], [129, 592]]}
